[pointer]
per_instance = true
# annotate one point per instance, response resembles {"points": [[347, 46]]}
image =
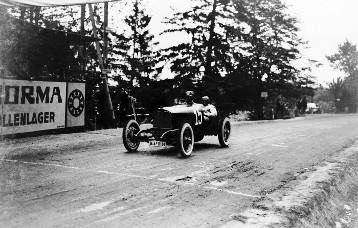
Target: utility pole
{"points": [[82, 47], [111, 117], [108, 102], [105, 38]]}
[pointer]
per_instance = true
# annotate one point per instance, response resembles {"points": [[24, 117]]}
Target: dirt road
{"points": [[87, 179]]}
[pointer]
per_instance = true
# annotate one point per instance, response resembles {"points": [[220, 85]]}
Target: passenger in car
{"points": [[209, 110], [189, 98]]}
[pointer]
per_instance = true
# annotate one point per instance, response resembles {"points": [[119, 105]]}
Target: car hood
{"points": [[184, 108]]}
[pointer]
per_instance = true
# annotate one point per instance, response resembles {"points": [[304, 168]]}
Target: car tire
{"points": [[131, 143], [185, 140], [224, 132]]}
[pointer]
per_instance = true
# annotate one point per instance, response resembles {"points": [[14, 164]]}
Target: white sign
{"points": [[264, 94], [29, 106], [75, 104]]}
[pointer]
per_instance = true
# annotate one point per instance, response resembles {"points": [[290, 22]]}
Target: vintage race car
{"points": [[179, 125]]}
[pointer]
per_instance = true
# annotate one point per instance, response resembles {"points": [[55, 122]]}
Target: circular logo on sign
{"points": [[76, 103]]}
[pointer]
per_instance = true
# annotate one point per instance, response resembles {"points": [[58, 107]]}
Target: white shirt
{"points": [[210, 110]]}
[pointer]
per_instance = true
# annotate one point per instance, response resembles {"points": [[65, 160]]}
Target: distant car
{"points": [[313, 108], [179, 125]]}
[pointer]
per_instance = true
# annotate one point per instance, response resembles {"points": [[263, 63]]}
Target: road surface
{"points": [[87, 179]]}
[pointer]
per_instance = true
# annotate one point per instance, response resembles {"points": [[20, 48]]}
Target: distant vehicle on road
{"points": [[179, 125], [313, 108]]}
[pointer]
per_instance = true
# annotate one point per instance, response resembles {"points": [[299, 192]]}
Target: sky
{"points": [[324, 24]]}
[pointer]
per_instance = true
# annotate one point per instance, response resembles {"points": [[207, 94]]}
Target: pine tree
{"points": [[267, 48], [137, 59], [207, 24]]}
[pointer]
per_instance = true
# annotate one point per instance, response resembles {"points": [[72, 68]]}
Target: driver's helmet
{"points": [[205, 98]]}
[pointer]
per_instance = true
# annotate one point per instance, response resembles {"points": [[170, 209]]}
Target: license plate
{"points": [[157, 143]]}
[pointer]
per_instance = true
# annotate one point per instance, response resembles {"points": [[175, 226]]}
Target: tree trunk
{"points": [[37, 15], [32, 15], [109, 112], [209, 58], [82, 47], [105, 39], [22, 13], [108, 102]]}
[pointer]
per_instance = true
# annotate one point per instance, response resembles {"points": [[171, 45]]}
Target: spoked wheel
{"points": [[186, 140], [131, 143], [224, 132]]}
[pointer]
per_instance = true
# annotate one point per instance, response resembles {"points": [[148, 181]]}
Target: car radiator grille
{"points": [[162, 119]]}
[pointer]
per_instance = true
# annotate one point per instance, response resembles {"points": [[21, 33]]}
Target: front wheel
{"points": [[186, 140], [224, 132], [131, 143]]}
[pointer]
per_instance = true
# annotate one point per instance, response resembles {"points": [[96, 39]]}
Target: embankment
{"points": [[326, 196]]}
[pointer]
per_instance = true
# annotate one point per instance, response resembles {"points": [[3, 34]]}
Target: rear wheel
{"points": [[131, 143], [186, 140], [224, 132]]}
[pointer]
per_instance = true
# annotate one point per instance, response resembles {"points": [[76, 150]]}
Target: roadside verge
{"points": [[325, 197]]}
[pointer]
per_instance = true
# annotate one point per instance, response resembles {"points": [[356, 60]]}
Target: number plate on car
{"points": [[157, 143]]}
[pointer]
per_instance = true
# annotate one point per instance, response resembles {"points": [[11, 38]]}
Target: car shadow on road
{"points": [[172, 151], [204, 146], [169, 151]]}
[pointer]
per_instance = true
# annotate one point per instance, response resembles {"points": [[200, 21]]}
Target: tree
{"points": [[346, 60], [267, 49], [137, 60], [246, 47], [32, 28], [15, 42], [305, 80], [338, 89], [207, 24], [325, 100]]}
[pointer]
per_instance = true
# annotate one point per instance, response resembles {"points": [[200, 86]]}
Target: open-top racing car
{"points": [[179, 125]]}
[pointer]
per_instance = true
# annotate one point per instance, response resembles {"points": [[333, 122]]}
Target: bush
{"points": [[327, 107], [240, 115]]}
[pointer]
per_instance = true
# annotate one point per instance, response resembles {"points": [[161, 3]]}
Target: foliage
{"points": [[268, 46], [25, 44], [322, 94], [346, 59], [239, 43], [345, 90], [137, 60], [207, 54], [17, 44], [325, 99], [272, 41], [238, 49]]}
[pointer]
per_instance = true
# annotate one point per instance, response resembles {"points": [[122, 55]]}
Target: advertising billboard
{"points": [[75, 104], [28, 106]]}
